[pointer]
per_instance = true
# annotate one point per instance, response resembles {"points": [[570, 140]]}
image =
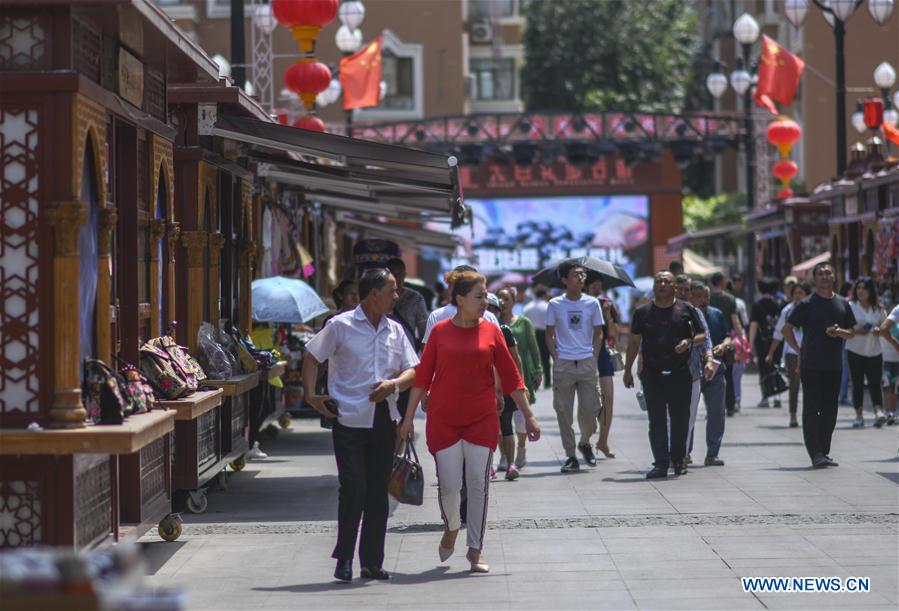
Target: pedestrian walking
{"points": [[700, 355], [457, 366], [574, 336], [605, 366], [762, 322], [412, 313], [727, 303], [535, 311], [713, 385], [532, 369], [826, 320], [863, 351], [664, 331], [449, 310], [889, 343], [790, 356], [505, 404], [370, 362]]}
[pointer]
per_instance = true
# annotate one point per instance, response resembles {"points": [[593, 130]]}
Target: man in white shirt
{"points": [[535, 311], [790, 356], [889, 342], [574, 337], [449, 310], [370, 362]]}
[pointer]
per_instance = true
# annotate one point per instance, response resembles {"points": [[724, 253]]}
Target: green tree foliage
{"points": [[707, 212], [608, 54]]}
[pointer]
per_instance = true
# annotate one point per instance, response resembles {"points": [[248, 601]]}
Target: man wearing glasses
{"points": [[574, 337], [665, 330]]}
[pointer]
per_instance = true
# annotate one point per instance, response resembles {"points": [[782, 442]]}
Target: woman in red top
{"points": [[462, 427]]}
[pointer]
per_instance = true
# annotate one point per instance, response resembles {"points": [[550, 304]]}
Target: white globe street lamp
{"points": [[223, 64], [891, 116], [347, 40], [880, 10], [896, 99], [842, 9], [716, 83], [858, 118], [796, 11], [740, 80], [264, 19], [351, 14], [746, 29], [885, 75]]}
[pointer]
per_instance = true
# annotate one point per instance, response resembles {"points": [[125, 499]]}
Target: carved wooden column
{"points": [[195, 244], [216, 243], [66, 219], [247, 260], [173, 232], [107, 222], [157, 230]]}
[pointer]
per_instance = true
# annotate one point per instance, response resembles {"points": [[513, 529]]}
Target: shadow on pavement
{"points": [[157, 553], [440, 573]]}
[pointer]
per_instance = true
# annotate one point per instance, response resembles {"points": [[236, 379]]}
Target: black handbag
{"points": [[407, 482], [774, 383]]}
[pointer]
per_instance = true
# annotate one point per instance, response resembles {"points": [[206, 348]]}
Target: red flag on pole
{"points": [[891, 133], [360, 77], [779, 74]]}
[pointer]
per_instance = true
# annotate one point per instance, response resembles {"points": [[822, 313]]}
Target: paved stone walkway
{"points": [[602, 539]]}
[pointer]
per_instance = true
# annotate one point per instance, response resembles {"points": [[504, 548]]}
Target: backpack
{"points": [[137, 389], [172, 372], [103, 395]]}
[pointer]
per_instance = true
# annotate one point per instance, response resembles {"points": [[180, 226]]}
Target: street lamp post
{"points": [[746, 32], [349, 39], [837, 12]]}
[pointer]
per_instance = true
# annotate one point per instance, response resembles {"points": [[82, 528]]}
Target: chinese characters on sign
{"points": [[501, 176]]}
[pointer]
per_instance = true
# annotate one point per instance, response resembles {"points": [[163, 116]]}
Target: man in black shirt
{"points": [[667, 328], [826, 320], [762, 321], [727, 303]]}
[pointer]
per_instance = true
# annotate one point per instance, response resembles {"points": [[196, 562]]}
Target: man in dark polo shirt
{"points": [[665, 330], [826, 320]]}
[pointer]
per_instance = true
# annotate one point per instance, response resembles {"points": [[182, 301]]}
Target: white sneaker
{"points": [[255, 453], [521, 457], [859, 422], [503, 465]]}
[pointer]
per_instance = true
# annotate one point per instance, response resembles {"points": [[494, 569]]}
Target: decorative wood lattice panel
{"points": [[20, 513], [207, 438], [19, 183], [154, 93], [238, 417], [23, 43], [152, 471], [86, 50], [93, 499]]}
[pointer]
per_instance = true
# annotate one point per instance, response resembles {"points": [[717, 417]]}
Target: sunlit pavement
{"points": [[602, 539]]}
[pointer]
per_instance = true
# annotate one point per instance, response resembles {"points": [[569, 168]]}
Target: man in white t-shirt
{"points": [[574, 337]]}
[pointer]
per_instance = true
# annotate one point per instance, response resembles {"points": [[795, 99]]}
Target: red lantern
{"points": [[783, 133], [305, 18], [281, 115], [307, 78], [784, 193], [873, 111], [313, 124], [785, 170]]}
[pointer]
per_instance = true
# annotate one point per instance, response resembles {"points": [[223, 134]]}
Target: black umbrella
{"points": [[611, 274]]}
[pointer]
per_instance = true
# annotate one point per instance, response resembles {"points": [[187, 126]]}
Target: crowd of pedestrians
{"points": [[476, 362]]}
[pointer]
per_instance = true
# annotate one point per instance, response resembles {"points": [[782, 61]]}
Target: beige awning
{"points": [[697, 265], [800, 270]]}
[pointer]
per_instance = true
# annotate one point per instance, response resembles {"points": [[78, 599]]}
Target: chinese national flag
{"points": [[360, 77], [779, 74], [891, 133]]}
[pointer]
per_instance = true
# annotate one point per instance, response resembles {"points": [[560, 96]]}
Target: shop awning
{"points": [[373, 173], [802, 269], [697, 265], [417, 235]]}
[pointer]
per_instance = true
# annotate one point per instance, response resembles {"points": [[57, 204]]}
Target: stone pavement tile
{"points": [[663, 548], [822, 600], [785, 546], [689, 604], [649, 569], [644, 590], [537, 575], [652, 532], [608, 599], [854, 544]]}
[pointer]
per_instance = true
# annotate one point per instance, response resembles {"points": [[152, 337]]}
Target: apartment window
{"points": [[396, 72], [492, 9], [495, 78]]}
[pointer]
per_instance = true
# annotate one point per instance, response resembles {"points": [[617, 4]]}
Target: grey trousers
{"points": [[713, 391], [579, 378]]}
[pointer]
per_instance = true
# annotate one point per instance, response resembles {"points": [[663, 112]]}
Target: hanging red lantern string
{"points": [[305, 18], [310, 122], [307, 78], [784, 193], [783, 133], [873, 113], [785, 170]]}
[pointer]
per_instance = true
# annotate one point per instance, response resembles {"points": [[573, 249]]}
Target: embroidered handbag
{"points": [[407, 484], [102, 393], [170, 376], [138, 390]]}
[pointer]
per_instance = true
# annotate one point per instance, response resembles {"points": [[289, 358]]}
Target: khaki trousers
{"points": [[582, 378]]}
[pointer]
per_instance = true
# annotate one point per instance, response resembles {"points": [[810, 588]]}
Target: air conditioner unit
{"points": [[481, 32]]}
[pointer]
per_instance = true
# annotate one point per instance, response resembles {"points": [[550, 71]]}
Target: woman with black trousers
{"points": [[864, 351]]}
